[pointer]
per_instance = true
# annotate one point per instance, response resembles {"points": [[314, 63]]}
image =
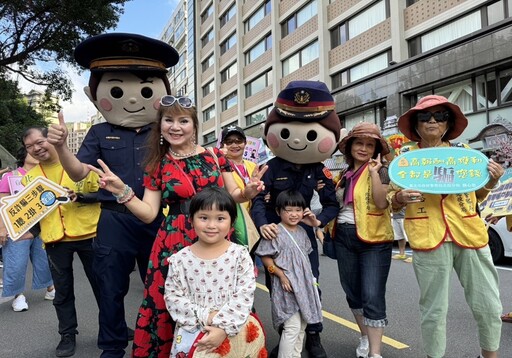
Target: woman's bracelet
{"points": [[125, 192], [130, 197], [242, 194], [126, 196], [496, 186]]}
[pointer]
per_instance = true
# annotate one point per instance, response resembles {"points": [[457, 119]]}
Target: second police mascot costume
{"points": [[128, 78], [302, 130]]}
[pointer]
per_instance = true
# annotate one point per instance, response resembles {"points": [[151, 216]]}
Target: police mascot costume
{"points": [[128, 78], [302, 130]]}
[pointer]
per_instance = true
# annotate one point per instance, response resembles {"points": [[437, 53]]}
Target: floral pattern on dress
{"points": [[154, 326]]}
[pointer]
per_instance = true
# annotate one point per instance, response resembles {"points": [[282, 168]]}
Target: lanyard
{"points": [[245, 178]]}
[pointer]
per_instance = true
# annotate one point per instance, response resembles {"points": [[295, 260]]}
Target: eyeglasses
{"points": [[439, 117], [169, 100], [234, 141]]}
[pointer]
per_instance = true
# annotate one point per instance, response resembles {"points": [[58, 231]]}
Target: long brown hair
{"points": [[155, 151]]}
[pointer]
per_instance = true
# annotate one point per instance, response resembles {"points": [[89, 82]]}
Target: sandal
{"points": [[507, 317]]}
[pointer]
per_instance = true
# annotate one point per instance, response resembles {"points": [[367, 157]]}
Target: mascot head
{"points": [[303, 127], [128, 76]]}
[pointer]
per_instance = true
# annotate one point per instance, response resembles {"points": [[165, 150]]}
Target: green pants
{"points": [[479, 279]]}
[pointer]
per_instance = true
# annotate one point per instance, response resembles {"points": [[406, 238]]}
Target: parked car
{"points": [[500, 241]]}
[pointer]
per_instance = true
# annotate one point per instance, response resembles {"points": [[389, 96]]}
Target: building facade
{"points": [[76, 134], [377, 56], [43, 105]]}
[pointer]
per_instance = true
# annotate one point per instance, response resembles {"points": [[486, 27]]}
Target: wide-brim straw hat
{"points": [[406, 123], [365, 130]]}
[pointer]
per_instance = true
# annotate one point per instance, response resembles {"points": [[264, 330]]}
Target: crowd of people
{"points": [[199, 283]]}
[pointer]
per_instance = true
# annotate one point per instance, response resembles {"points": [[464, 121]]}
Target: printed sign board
{"points": [[499, 200], [22, 211], [442, 170]]}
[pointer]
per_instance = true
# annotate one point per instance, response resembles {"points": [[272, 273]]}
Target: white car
{"points": [[500, 241]]}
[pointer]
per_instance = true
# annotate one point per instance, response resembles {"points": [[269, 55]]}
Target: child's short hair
{"points": [[290, 197], [211, 197]]}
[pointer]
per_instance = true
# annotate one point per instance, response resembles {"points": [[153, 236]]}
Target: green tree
{"points": [[15, 115], [46, 31]]}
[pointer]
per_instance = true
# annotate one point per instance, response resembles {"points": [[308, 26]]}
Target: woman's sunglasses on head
{"points": [[439, 117], [169, 100]]}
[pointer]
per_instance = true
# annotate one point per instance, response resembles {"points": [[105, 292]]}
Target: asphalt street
{"points": [[34, 333]]}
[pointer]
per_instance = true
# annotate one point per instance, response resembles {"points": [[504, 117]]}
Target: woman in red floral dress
{"points": [[176, 169]]}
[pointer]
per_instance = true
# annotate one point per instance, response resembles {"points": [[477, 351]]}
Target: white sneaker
{"points": [[363, 348], [20, 304], [50, 295], [376, 356]]}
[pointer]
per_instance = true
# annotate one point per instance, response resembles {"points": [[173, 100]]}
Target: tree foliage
{"points": [[15, 115], [47, 31]]}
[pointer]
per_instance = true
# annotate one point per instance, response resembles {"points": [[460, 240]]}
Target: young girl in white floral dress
{"points": [[209, 290]]}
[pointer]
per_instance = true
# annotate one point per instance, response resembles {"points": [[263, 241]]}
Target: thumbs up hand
{"points": [[57, 133]]}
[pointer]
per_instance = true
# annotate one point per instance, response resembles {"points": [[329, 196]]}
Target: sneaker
{"points": [[376, 356], [408, 260], [67, 346], [399, 257], [363, 348], [50, 295], [19, 304], [314, 345]]}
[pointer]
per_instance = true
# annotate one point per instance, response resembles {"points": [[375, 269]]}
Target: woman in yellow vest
{"points": [[234, 140], [363, 235], [446, 232]]}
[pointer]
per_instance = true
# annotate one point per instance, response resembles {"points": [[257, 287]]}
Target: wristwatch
{"points": [[271, 269]]}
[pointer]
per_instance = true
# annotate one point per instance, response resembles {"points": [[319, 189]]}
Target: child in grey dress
{"points": [[295, 300]]}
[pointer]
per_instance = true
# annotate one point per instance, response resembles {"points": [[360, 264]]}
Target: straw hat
{"points": [[406, 122], [250, 342], [365, 130]]}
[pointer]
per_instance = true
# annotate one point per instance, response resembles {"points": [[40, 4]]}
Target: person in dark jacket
{"points": [[302, 130]]}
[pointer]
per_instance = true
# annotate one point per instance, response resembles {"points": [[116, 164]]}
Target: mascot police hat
{"points": [[308, 102], [125, 52]]}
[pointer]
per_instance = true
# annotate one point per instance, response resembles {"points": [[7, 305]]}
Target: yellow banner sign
{"points": [[22, 211]]}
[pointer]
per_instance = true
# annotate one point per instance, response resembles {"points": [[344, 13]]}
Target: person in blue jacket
{"points": [[302, 130]]}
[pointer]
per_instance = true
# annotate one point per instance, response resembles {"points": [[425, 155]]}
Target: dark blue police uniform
{"points": [[283, 175], [121, 239]]}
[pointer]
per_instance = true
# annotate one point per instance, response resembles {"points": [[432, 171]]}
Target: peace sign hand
{"points": [[375, 164], [108, 180], [255, 184]]}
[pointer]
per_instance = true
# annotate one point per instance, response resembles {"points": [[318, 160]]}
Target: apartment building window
{"points": [[299, 18], [259, 49], [208, 113], [374, 114], [179, 30], [227, 44], [209, 138], [229, 101], [228, 15], [181, 75], [360, 23], [229, 72], [207, 38], [361, 70], [207, 13], [368, 67], [487, 91], [300, 58], [208, 88], [258, 117], [206, 64], [182, 91], [258, 15], [258, 84], [486, 15]]}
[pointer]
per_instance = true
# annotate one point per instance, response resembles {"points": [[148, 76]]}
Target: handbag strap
{"points": [[295, 242], [185, 174]]}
